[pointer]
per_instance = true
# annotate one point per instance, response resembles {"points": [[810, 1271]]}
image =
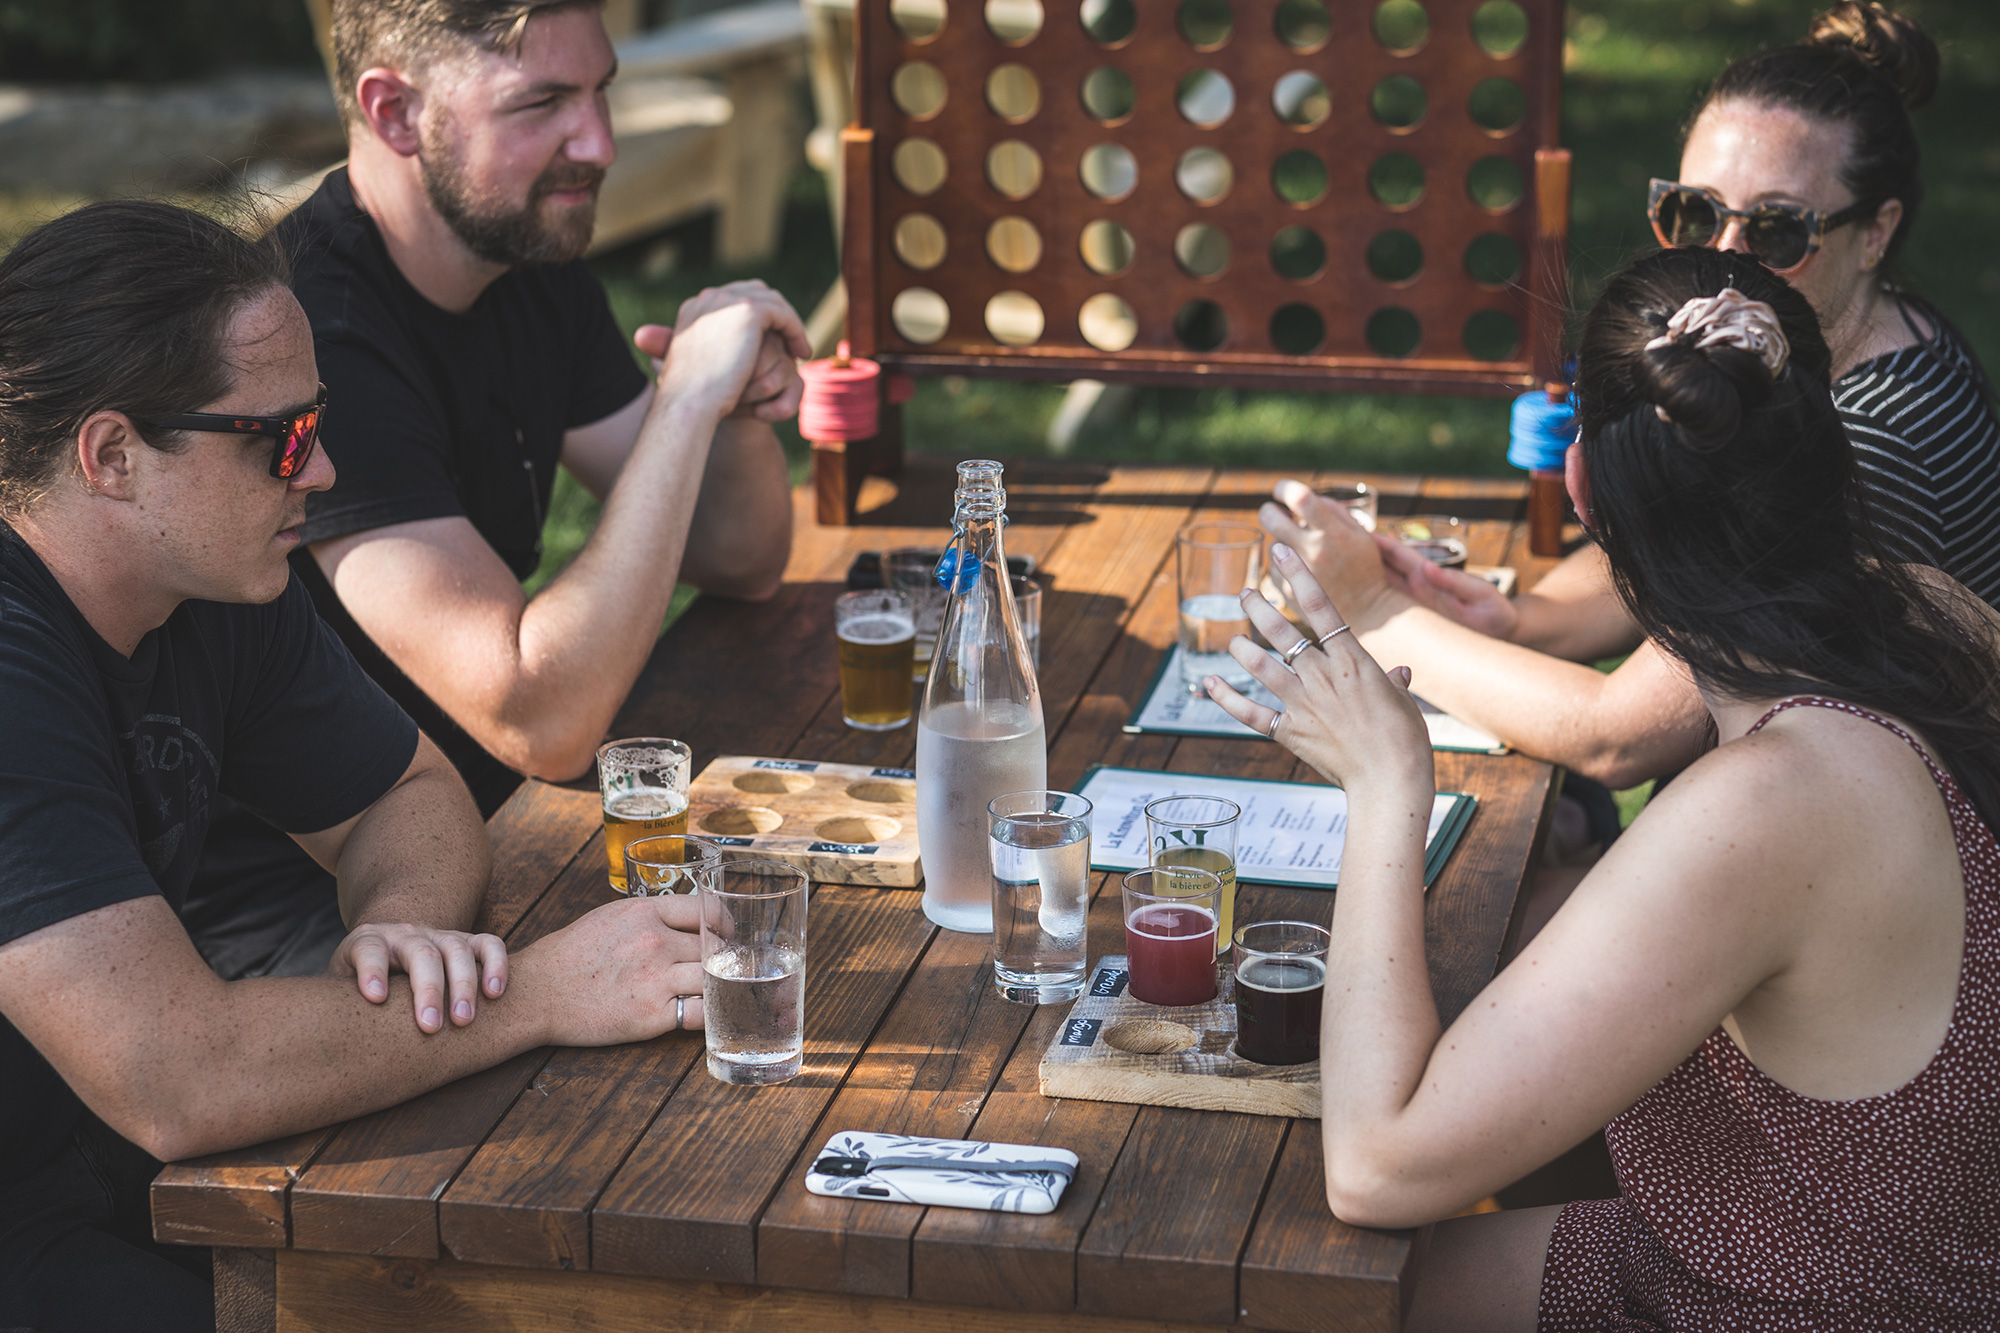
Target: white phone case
{"points": [[954, 1173]]}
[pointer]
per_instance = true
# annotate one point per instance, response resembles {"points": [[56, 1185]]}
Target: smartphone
{"points": [[950, 1173]]}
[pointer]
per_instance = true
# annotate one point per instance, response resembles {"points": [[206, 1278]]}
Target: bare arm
{"points": [[183, 1063], [536, 683], [1574, 612], [1640, 721]]}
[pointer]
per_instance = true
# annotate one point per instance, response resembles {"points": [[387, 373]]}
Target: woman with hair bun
{"points": [[1781, 987], [1804, 159]]}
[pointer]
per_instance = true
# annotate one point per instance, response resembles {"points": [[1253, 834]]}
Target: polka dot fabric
{"points": [[1745, 1205]]}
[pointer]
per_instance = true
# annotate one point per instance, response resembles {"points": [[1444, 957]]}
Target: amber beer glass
{"points": [[878, 637], [645, 786]]}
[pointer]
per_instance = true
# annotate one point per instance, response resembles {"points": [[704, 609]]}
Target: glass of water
{"points": [[1040, 842], [753, 959], [1216, 562], [1358, 499], [912, 571]]}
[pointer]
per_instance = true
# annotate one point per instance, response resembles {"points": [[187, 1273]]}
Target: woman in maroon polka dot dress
{"points": [[1781, 987]]}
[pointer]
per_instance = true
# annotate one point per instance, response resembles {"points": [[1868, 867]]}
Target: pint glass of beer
{"points": [[645, 786], [878, 635]]}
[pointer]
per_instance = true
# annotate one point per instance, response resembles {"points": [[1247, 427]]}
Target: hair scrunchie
{"points": [[1729, 318]]}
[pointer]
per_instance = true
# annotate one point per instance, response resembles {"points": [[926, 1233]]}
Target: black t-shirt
{"points": [[112, 767], [434, 415]]}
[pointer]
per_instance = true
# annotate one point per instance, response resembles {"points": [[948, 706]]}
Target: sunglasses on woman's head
{"points": [[1781, 236], [296, 433]]}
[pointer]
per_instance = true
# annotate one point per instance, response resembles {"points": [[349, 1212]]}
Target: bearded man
{"points": [[470, 351]]}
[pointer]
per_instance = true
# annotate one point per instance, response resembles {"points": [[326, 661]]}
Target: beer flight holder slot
{"points": [[840, 823], [1113, 1048]]}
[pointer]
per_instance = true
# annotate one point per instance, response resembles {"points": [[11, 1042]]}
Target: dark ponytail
{"points": [[1861, 66], [120, 305], [1737, 530]]}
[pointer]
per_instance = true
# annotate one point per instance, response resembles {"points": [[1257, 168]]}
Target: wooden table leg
{"points": [[246, 1290]]}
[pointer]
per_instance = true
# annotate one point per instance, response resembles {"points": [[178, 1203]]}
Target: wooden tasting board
{"points": [[840, 823], [1174, 1057]]}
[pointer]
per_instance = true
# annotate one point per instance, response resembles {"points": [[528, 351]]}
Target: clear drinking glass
{"points": [[1170, 923], [1280, 982], [1198, 831], [1041, 894], [1216, 562], [877, 635], [753, 959], [1439, 538], [1358, 499], [1028, 601], [665, 863], [644, 783], [912, 571]]}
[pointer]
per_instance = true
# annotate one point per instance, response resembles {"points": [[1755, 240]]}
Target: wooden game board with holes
{"points": [[1113, 1048], [840, 823], [1296, 193]]}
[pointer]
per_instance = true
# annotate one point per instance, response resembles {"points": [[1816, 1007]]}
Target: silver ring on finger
{"points": [[680, 1012], [1333, 634], [1292, 653], [1272, 730]]}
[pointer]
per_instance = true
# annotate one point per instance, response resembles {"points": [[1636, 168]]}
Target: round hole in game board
{"points": [[1014, 22], [919, 166], [1401, 26], [1303, 25], [1109, 22], [1299, 178], [1393, 331], [1014, 169], [1500, 27], [1107, 95], [858, 828], [918, 89], [1201, 326], [1495, 184], [1205, 23], [1108, 170], [1014, 93], [1106, 248], [1205, 98], [1399, 103], [741, 821], [919, 241], [1107, 323], [767, 783], [884, 793], [1492, 335], [1204, 175], [920, 315], [1014, 318], [1397, 181], [917, 20], [1298, 253], [1301, 100], [1395, 256], [1014, 244], [1297, 330], [1149, 1036], [1492, 260], [1202, 251], [1498, 106]]}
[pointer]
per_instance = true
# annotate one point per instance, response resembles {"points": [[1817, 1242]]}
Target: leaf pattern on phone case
{"points": [[997, 1191]]}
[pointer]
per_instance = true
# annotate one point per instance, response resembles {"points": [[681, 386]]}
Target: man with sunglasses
{"points": [[471, 352]]}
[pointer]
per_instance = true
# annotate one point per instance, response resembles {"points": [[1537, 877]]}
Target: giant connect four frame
{"points": [[1336, 194]]}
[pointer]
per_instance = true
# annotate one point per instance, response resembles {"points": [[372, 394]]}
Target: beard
{"points": [[501, 234]]}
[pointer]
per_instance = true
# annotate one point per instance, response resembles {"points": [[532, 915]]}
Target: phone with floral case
{"points": [[951, 1173]]}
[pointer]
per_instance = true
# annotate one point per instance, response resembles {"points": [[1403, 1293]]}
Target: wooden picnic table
{"points": [[624, 1188]]}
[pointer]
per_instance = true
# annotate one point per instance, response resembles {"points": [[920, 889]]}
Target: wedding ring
{"points": [[1292, 653], [1334, 633], [1272, 730], [680, 1012]]}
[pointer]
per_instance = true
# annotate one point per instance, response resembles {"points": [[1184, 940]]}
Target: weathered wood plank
{"points": [[536, 834], [235, 1199], [1304, 1271]]}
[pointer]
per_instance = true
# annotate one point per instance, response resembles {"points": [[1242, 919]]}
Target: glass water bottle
{"points": [[980, 734]]}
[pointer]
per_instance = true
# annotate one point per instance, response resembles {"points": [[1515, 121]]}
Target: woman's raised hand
{"points": [[1344, 715]]}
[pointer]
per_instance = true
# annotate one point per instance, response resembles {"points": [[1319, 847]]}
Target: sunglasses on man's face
{"points": [[296, 433], [1781, 236]]}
